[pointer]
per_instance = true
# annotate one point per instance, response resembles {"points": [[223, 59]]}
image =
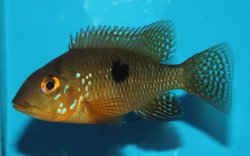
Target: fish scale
{"points": [[150, 73]]}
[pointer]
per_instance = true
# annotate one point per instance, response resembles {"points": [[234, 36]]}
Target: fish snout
{"points": [[20, 104]]}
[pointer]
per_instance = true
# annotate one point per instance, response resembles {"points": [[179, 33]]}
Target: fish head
{"points": [[48, 94]]}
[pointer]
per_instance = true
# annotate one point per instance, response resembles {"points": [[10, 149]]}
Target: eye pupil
{"points": [[50, 85]]}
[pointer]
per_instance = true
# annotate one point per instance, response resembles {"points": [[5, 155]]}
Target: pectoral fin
{"points": [[105, 111], [163, 107]]}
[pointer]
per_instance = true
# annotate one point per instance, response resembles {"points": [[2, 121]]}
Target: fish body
{"points": [[109, 72]]}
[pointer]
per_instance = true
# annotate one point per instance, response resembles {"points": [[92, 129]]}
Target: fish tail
{"points": [[209, 75]]}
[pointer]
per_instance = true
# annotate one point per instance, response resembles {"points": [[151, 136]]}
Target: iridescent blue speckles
{"points": [[78, 75], [73, 105], [57, 96], [66, 89], [83, 81], [61, 110]]}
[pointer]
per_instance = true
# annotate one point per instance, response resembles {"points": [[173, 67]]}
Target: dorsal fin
{"points": [[156, 40]]}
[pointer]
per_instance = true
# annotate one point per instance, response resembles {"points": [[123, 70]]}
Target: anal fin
{"points": [[164, 107]]}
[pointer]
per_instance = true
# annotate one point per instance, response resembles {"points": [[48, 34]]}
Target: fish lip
{"points": [[31, 110], [21, 105]]}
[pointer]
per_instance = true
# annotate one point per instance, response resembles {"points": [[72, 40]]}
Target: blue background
{"points": [[38, 31]]}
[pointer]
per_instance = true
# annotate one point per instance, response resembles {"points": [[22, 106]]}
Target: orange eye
{"points": [[49, 84]]}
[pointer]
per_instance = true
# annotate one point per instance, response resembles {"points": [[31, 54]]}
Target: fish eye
{"points": [[49, 84]]}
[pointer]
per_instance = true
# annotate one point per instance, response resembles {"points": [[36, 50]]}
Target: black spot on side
{"points": [[119, 71]]}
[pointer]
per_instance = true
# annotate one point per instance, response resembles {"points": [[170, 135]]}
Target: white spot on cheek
{"points": [[87, 77], [87, 88], [59, 110], [90, 75], [57, 96], [64, 110], [86, 94], [80, 99], [66, 88], [61, 104], [89, 83], [83, 81], [72, 106], [78, 75]]}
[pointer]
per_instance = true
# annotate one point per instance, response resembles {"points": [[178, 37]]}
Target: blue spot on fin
{"points": [[156, 40], [164, 107], [209, 75]]}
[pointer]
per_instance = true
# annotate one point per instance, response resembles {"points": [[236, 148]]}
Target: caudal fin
{"points": [[209, 75]]}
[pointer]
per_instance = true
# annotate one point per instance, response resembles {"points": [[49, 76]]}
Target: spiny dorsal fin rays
{"points": [[156, 40]]}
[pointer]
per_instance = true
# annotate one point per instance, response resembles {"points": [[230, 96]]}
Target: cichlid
{"points": [[109, 72]]}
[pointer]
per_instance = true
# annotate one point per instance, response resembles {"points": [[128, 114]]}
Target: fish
{"points": [[109, 72]]}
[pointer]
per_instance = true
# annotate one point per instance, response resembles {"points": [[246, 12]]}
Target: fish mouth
{"points": [[31, 110], [23, 106]]}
